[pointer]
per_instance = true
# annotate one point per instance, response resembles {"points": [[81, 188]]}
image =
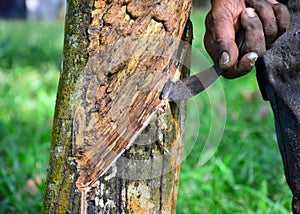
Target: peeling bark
{"points": [[116, 147]]}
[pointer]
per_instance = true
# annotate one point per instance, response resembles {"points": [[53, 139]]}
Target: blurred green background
{"points": [[244, 175]]}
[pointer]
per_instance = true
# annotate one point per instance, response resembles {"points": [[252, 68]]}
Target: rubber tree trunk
{"points": [[116, 146]]}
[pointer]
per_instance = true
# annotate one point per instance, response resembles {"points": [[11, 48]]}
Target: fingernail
{"points": [[250, 12], [252, 58], [224, 59]]}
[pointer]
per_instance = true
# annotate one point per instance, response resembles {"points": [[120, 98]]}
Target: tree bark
{"points": [[116, 146]]}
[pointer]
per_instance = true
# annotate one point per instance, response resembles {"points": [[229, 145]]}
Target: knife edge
{"points": [[191, 86]]}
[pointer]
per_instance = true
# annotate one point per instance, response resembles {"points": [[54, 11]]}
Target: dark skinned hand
{"points": [[263, 21]]}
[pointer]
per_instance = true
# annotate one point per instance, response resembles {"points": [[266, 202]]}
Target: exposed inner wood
{"points": [[132, 53]]}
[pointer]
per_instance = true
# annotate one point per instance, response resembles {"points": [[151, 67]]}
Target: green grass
{"points": [[244, 175], [30, 55]]}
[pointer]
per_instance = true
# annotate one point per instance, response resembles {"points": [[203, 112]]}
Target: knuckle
{"points": [[271, 27], [280, 8], [282, 15], [266, 15], [253, 25]]}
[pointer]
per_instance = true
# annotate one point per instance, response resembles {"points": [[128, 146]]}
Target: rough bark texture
{"points": [[117, 57]]}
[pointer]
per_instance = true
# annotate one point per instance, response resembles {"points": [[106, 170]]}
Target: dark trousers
{"points": [[278, 74]]}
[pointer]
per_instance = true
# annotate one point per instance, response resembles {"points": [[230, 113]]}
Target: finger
{"points": [[282, 17], [266, 14], [221, 43], [252, 47], [209, 43], [254, 34], [243, 67]]}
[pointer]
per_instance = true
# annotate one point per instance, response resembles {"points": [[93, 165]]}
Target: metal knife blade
{"points": [[191, 86]]}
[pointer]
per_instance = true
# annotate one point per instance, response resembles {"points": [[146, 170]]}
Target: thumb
{"points": [[228, 50], [222, 23], [219, 38]]}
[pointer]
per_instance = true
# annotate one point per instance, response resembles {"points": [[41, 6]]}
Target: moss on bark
{"points": [[145, 178]]}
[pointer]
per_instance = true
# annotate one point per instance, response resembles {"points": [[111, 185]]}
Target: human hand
{"points": [[263, 21]]}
